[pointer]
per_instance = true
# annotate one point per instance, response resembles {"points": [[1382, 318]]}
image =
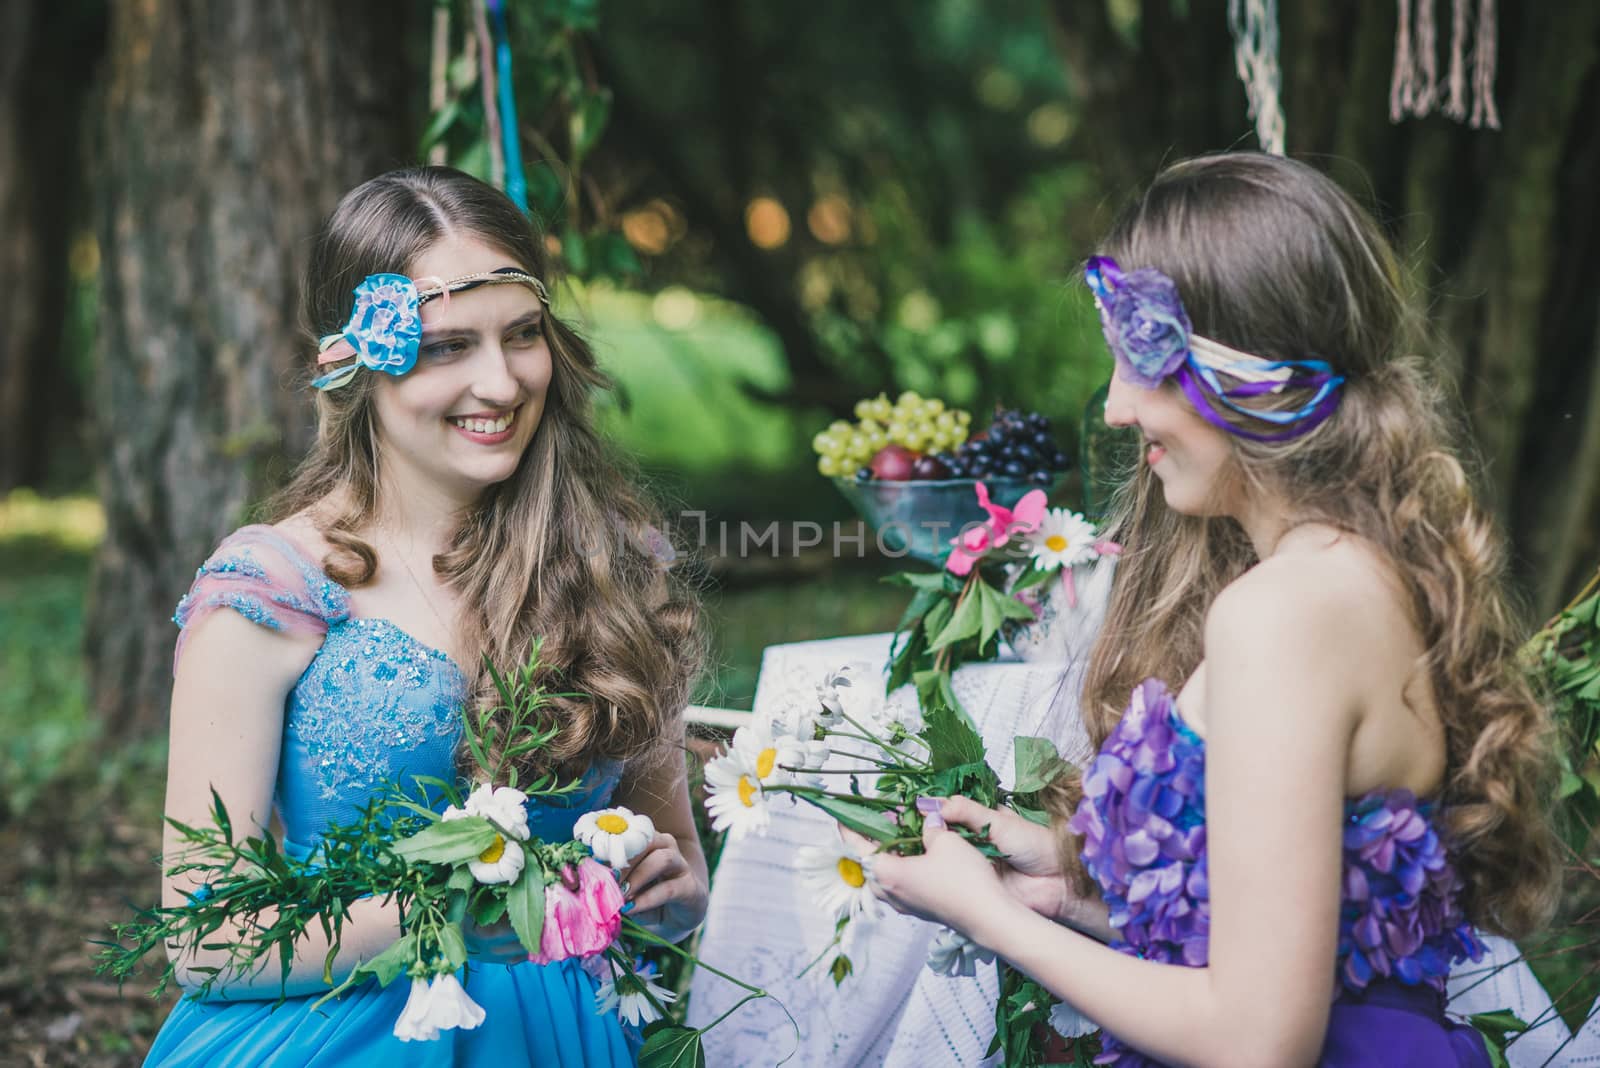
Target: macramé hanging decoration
{"points": [[1254, 25], [1415, 88]]}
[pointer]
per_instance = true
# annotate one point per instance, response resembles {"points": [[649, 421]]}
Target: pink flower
{"points": [[1003, 523], [580, 922]]}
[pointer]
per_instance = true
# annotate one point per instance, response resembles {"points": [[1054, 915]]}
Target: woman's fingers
{"points": [[662, 840], [658, 864], [965, 812]]}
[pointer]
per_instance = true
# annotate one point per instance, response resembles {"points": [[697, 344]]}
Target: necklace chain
{"points": [[449, 632]]}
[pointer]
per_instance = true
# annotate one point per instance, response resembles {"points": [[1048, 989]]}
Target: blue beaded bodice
{"points": [[374, 705]]}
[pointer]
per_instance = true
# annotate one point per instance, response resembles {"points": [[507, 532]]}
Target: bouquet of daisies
{"points": [[474, 858], [874, 759]]}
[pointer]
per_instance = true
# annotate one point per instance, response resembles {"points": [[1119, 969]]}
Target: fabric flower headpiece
{"points": [[1152, 340], [385, 327]]}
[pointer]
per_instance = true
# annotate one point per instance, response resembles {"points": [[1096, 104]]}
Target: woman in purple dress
{"points": [[1331, 773]]}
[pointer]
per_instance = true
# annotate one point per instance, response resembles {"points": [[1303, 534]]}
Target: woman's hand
{"points": [[950, 883], [664, 892], [1032, 869]]}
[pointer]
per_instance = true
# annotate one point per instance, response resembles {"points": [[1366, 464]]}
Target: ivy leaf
{"points": [[525, 905], [672, 1046], [1038, 764]]}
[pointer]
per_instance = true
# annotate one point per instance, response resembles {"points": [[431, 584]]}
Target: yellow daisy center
{"points": [[493, 854], [766, 762], [611, 823], [747, 792], [850, 871], [1055, 543]]}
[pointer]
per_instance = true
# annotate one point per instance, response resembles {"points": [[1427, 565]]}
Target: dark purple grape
{"points": [[1060, 460], [1028, 454], [1037, 422], [864, 474], [1044, 443], [1008, 451], [974, 448], [1042, 478], [928, 468], [980, 467], [1014, 469], [959, 468]]}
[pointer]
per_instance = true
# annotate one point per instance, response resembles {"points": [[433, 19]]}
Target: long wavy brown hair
{"points": [[562, 549], [1271, 257]]}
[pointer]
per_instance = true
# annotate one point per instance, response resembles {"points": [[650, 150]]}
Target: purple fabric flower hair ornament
{"points": [[1152, 340]]}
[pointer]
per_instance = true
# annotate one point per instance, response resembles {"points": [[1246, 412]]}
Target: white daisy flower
{"points": [[734, 797], [766, 753], [953, 953], [502, 862], [626, 995], [887, 714], [502, 806], [832, 711], [1064, 539], [836, 876], [797, 721], [615, 835], [442, 1005]]}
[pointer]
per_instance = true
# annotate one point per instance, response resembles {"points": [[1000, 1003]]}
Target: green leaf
{"points": [[672, 1046], [951, 736], [933, 582], [588, 122], [1032, 577], [966, 621], [857, 817], [448, 842], [1038, 764], [452, 944], [525, 906], [388, 965], [937, 617], [440, 125], [460, 879], [840, 969]]}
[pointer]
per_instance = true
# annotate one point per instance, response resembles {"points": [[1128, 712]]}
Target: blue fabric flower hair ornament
{"points": [[1152, 340], [385, 327]]}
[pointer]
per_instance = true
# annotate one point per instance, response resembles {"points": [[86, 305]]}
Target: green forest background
{"points": [[765, 212]]}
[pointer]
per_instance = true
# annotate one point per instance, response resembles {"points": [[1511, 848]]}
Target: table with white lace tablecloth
{"points": [[763, 928]]}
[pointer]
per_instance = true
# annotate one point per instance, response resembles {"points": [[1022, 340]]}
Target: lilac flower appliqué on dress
{"points": [[1400, 922]]}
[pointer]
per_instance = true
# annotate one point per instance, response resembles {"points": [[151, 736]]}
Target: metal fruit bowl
{"points": [[907, 516]]}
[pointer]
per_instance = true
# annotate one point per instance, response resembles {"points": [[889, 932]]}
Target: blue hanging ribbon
{"points": [[516, 181]]}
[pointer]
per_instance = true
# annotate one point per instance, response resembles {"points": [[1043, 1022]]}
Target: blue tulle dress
{"points": [[1400, 920], [374, 704]]}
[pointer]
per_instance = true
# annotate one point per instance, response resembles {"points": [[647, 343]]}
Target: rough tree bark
{"points": [[44, 49], [229, 131]]}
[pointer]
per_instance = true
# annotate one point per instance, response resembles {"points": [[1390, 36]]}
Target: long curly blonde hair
{"points": [[562, 549], [1271, 257]]}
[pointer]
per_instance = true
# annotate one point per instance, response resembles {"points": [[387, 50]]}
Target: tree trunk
{"points": [[41, 121], [230, 130]]}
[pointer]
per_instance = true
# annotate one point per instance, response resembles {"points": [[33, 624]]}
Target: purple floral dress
{"points": [[1400, 921]]}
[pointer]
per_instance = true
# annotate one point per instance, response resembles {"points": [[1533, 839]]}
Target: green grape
{"points": [[909, 398], [863, 409], [855, 444], [828, 467], [963, 417], [839, 427], [933, 406], [945, 420], [897, 431], [820, 443]]}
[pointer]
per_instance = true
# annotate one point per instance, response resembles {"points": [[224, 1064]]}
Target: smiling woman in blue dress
{"points": [[457, 504]]}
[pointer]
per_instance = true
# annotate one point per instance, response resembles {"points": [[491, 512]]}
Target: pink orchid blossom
{"points": [[580, 922], [1003, 523]]}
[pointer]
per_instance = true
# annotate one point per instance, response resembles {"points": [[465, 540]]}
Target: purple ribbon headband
{"points": [[385, 327], [1152, 340]]}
